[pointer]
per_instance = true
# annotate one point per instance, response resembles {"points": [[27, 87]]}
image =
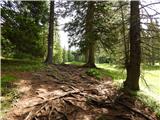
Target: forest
{"points": [[80, 60]]}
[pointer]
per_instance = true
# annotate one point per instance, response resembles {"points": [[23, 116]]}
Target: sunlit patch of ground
{"points": [[151, 83]]}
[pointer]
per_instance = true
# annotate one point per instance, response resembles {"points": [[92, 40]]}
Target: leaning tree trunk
{"points": [[89, 35], [133, 68], [49, 58]]}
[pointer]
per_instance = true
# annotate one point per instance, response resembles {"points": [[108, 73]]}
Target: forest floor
{"points": [[67, 92]]}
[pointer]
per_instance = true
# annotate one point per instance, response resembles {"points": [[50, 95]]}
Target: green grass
{"points": [[8, 92], [6, 83], [75, 63], [20, 65], [150, 83], [94, 73], [150, 102], [150, 68], [113, 71], [105, 70]]}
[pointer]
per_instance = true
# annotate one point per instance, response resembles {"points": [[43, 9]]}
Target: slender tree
{"points": [[49, 58], [64, 55], [133, 67]]}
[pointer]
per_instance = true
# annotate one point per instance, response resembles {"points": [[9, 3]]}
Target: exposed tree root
{"points": [[73, 97]]}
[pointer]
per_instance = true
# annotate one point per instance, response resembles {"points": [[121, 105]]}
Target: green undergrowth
{"points": [[150, 102], [8, 92], [94, 73], [106, 70], [75, 63], [20, 65]]}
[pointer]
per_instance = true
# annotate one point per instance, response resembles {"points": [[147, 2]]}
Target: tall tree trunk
{"points": [[89, 34], [133, 68], [49, 58], [86, 53], [91, 56]]}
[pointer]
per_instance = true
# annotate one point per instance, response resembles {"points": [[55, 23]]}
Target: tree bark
{"points": [[86, 53], [133, 68], [89, 35], [49, 58]]}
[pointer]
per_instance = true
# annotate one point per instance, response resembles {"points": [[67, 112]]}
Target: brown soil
{"points": [[65, 92]]}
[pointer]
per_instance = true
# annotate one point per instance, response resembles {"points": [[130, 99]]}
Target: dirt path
{"points": [[66, 92]]}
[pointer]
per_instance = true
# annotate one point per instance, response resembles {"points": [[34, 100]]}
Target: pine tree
{"points": [[133, 67], [49, 58]]}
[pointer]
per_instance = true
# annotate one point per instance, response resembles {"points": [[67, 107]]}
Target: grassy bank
{"points": [[10, 65]]}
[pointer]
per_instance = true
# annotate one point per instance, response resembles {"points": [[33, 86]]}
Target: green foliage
{"points": [[20, 65], [57, 51], [23, 25], [94, 73], [64, 55], [151, 43], [22, 55], [102, 24], [7, 49], [70, 55]]}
